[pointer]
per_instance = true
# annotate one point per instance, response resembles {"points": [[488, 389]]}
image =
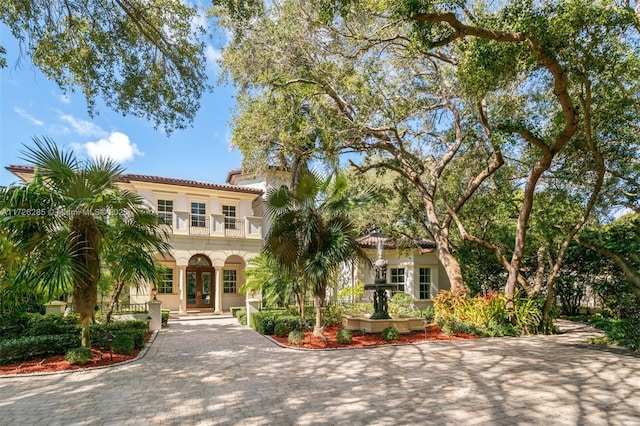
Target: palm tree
{"points": [[130, 244], [64, 220], [279, 286], [312, 233]]}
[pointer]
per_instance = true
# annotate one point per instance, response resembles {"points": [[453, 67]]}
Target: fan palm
{"points": [[65, 219], [312, 233]]}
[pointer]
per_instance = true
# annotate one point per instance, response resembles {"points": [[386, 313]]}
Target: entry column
{"points": [[218, 300], [182, 299]]}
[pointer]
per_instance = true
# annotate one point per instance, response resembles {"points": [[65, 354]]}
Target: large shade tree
{"points": [[445, 94], [142, 58], [312, 233], [66, 218]]}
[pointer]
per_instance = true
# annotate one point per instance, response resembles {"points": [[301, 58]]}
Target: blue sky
{"points": [[30, 105]]}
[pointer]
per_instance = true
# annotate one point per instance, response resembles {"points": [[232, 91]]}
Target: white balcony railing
{"points": [[214, 225]]}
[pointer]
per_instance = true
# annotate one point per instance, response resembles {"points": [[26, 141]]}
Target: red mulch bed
{"points": [[433, 332], [58, 363]]}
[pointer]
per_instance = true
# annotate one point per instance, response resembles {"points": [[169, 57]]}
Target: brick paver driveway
{"points": [[214, 371]]}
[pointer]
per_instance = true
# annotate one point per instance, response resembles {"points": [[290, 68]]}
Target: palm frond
{"points": [[52, 162]]}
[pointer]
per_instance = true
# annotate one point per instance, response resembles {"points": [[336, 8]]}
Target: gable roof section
{"points": [[22, 171]]}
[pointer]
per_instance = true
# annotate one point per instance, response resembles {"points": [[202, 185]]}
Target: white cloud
{"points": [[117, 146], [83, 127], [30, 118], [64, 99], [213, 55]]}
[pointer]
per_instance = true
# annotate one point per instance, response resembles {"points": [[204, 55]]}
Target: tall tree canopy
{"points": [[144, 58], [447, 95]]}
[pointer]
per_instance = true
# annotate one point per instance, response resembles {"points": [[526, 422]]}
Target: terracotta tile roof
{"points": [[189, 183], [374, 238], [17, 169]]}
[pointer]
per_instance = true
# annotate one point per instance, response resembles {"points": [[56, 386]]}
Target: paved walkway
{"points": [[214, 371]]}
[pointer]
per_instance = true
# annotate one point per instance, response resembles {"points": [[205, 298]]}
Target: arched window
{"points": [[199, 260]]}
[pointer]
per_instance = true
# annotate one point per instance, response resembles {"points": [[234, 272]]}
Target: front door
{"points": [[199, 294]]}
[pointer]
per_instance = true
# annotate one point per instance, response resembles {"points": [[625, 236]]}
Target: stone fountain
{"points": [[380, 319]]}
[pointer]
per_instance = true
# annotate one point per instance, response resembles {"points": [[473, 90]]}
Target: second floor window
{"points": [[229, 213], [198, 215], [165, 212]]}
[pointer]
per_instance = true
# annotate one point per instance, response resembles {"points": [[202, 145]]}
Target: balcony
{"points": [[234, 228], [215, 225]]}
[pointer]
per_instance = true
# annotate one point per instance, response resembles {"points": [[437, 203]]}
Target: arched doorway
{"points": [[200, 278]]}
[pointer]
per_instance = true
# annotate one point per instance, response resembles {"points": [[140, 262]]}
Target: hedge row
{"points": [[34, 347], [136, 329], [265, 321], [31, 336], [26, 324]]}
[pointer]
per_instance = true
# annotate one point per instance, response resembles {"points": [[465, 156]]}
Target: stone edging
{"points": [[140, 355]]}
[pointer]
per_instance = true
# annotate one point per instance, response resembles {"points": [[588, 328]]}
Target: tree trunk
{"points": [[86, 236], [114, 298], [521, 228], [319, 295]]}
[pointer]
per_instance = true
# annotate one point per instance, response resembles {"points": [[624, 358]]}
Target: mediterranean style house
{"points": [[216, 229]]}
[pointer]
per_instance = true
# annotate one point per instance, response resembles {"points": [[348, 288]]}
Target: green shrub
{"points": [[344, 336], [52, 324], [296, 337], [234, 310], [401, 304], [137, 329], [281, 329], [14, 326], [429, 314], [631, 332], [33, 347], [265, 321], [451, 326], [495, 329], [390, 334], [359, 308], [165, 317], [528, 314], [78, 356], [241, 315], [123, 344], [332, 314]]}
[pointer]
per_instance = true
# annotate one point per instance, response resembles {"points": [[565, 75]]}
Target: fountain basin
{"points": [[404, 325]]}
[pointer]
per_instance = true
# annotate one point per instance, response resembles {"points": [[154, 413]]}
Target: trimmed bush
{"points": [[165, 317], [344, 336], [281, 329], [390, 334], [241, 314], [234, 310], [137, 329], [30, 347], [265, 321], [123, 344], [14, 326], [78, 356], [296, 337], [52, 324]]}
